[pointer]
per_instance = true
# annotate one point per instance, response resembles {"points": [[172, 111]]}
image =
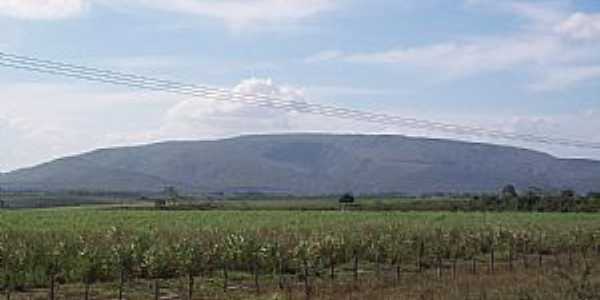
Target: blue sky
{"points": [[522, 66]]}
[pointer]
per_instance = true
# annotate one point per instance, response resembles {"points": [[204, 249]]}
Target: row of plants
{"points": [[34, 259]]}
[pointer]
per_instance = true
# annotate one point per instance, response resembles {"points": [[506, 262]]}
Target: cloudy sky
{"points": [[522, 66]]}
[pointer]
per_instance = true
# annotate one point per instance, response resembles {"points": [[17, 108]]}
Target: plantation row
{"points": [[41, 259]]}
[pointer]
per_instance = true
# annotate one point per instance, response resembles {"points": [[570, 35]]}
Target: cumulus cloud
{"points": [[34, 129], [581, 26], [204, 118], [41, 9], [200, 118], [43, 122], [207, 118]]}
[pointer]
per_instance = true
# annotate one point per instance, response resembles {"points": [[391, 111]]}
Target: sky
{"points": [[529, 67]]}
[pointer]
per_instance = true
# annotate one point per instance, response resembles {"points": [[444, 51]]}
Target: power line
{"points": [[269, 101]]}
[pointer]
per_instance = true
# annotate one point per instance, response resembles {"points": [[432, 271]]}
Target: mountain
{"points": [[309, 164]]}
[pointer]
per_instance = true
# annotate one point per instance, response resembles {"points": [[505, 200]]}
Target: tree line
{"points": [[535, 200]]}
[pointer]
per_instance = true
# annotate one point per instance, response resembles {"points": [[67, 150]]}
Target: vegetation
{"points": [[535, 199], [507, 199], [215, 253]]}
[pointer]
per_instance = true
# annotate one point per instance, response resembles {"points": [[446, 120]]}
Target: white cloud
{"points": [[576, 126], [202, 118], [533, 125], [199, 118], [590, 113], [41, 9], [206, 118], [39, 122], [238, 13], [566, 77], [323, 56], [548, 49], [538, 12], [581, 26], [35, 127], [26, 143], [469, 57], [541, 14]]}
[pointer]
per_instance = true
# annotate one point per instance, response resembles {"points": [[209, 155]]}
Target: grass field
{"points": [[279, 254], [100, 218]]}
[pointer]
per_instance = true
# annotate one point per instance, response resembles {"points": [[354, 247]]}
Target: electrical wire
{"points": [[268, 101]]}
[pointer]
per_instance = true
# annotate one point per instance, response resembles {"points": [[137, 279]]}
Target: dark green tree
{"points": [[509, 191], [346, 198]]}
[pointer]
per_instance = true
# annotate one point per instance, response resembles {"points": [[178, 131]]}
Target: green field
{"points": [[99, 219], [281, 254]]}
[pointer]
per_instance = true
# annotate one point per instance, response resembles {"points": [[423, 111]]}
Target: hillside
{"points": [[309, 164]]}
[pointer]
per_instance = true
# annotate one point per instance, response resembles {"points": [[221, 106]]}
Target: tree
{"points": [[172, 195], [567, 200], [593, 195], [509, 191], [568, 194], [2, 203], [346, 198], [532, 199]]}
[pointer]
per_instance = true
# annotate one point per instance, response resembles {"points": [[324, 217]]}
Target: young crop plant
{"points": [[227, 252], [157, 263], [488, 238], [123, 255], [55, 261], [376, 249], [305, 253], [192, 254], [312, 248], [505, 244], [441, 248], [357, 247], [398, 249], [472, 249], [457, 248], [253, 252], [12, 261], [332, 250], [93, 261]]}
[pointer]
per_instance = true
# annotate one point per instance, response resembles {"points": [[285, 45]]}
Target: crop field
{"points": [[100, 253]]}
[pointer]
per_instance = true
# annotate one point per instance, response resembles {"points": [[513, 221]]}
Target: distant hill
{"points": [[309, 164]]}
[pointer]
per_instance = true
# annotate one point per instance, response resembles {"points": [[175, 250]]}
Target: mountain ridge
{"points": [[309, 164]]}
